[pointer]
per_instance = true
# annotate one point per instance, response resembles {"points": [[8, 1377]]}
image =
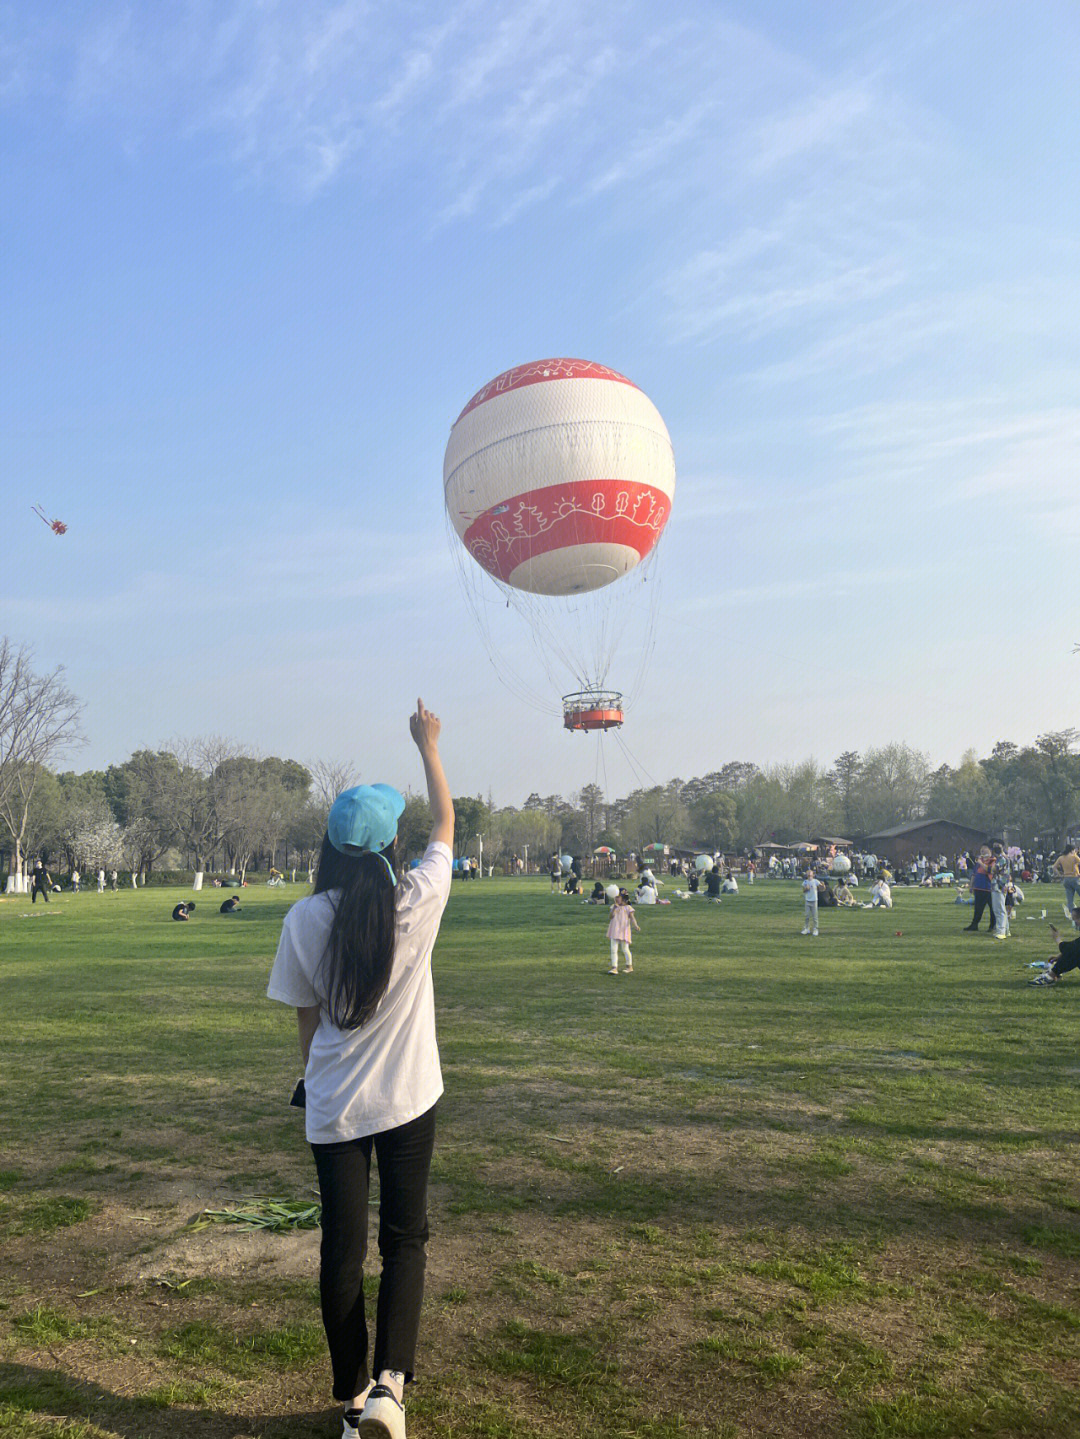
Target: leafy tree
{"points": [[590, 802], [714, 818], [471, 817]]}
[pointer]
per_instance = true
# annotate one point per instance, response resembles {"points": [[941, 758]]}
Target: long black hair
{"points": [[360, 951]]}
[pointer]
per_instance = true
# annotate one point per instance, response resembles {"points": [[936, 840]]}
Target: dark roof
{"points": [[913, 826]]}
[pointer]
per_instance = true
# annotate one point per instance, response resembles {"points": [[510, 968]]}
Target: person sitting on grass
{"points": [[712, 884], [844, 897], [826, 895], [571, 886], [598, 896], [184, 909], [645, 893], [230, 906], [881, 895], [693, 881], [1067, 957], [730, 885]]}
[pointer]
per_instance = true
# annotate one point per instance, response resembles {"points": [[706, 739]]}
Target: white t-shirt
{"points": [[363, 1081]]}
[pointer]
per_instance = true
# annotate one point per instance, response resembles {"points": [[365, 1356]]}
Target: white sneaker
{"points": [[382, 1416], [814, 933], [804, 931]]}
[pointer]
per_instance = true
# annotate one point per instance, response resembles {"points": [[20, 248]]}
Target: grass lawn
{"points": [[766, 1185]]}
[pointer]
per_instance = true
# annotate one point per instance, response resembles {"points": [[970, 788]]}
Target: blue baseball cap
{"points": [[364, 819]]}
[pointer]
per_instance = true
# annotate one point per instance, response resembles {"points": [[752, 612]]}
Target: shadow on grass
{"points": [[48, 1397]]}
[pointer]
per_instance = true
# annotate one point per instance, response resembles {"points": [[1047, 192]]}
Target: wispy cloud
{"points": [[820, 121]]}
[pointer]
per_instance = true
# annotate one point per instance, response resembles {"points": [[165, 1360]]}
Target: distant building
{"points": [[924, 836]]}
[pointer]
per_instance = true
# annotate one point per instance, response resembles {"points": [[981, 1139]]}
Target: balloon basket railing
{"points": [[592, 710]]}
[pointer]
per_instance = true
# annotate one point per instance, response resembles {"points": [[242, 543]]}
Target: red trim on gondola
{"points": [[537, 372], [592, 719], [583, 512]]}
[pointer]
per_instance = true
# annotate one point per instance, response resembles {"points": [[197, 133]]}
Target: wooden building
{"points": [[931, 837]]}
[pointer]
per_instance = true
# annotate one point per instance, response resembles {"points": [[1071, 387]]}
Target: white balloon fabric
{"points": [[612, 891], [703, 863], [559, 476], [840, 864], [566, 863]]}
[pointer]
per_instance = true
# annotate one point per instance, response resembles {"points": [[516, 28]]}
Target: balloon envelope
{"points": [[566, 863], [703, 863], [559, 476], [612, 891]]}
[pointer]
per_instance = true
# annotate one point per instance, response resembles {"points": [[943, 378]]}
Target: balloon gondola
{"points": [[592, 710]]}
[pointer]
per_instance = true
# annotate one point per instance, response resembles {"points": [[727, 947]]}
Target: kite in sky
{"points": [[57, 526]]}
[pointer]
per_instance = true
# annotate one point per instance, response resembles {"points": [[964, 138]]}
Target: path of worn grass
{"points": [[765, 1185]]}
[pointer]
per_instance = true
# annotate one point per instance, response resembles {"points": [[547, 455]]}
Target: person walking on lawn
{"points": [[618, 932], [355, 961]]}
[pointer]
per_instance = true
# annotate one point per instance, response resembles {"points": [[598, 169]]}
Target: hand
{"points": [[425, 728], [1055, 931]]}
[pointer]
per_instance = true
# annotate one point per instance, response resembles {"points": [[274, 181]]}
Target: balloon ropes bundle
{"points": [[558, 479]]}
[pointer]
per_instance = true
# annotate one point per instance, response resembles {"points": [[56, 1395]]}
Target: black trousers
{"points": [[982, 901], [404, 1159], [36, 889]]}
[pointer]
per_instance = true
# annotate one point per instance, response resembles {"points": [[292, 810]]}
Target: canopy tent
{"points": [[805, 847]]}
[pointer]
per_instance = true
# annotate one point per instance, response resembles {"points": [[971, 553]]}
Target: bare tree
{"points": [[201, 815], [39, 718], [329, 778]]}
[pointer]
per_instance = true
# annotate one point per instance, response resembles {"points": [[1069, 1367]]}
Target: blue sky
{"points": [[257, 256]]}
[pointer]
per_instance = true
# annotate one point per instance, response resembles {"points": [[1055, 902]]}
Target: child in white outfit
{"points": [[810, 894], [618, 932]]}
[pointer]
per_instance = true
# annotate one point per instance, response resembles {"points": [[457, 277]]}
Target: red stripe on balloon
{"points": [[538, 372], [581, 513]]}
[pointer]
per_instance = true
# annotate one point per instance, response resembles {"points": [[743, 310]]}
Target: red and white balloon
{"points": [[559, 476]]}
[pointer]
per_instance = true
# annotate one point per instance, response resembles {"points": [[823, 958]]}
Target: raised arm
{"points": [[425, 729]]}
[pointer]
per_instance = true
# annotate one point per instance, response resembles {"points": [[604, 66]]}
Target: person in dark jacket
{"points": [[40, 883], [1068, 956], [980, 888]]}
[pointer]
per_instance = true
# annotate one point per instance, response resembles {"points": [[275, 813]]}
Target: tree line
{"points": [[210, 803]]}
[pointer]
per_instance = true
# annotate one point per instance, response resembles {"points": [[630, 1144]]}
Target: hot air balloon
{"points": [[558, 478]]}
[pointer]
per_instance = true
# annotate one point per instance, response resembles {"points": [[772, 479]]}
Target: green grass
{"points": [[765, 1184]]}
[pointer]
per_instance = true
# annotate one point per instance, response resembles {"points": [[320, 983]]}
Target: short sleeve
{"points": [[288, 982], [425, 890]]}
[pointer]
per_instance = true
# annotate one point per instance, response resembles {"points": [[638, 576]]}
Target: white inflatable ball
{"points": [[566, 863], [612, 891], [841, 864], [703, 863]]}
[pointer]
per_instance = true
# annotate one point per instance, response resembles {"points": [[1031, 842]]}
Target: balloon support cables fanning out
{"points": [[593, 710]]}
